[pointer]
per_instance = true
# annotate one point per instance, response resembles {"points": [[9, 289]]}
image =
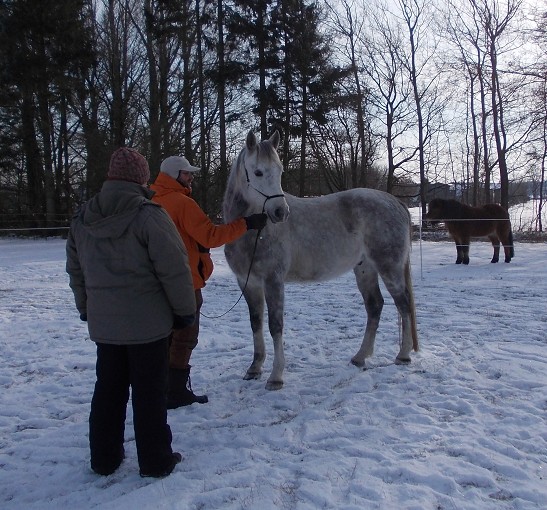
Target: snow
{"points": [[462, 427]]}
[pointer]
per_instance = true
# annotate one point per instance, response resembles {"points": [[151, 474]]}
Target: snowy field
{"points": [[463, 427]]}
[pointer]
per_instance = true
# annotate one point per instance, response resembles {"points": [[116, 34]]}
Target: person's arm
{"points": [[76, 276], [198, 225]]}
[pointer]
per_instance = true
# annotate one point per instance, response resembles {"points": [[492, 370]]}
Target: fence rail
{"points": [[32, 229]]}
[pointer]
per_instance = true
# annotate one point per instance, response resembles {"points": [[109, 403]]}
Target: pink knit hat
{"points": [[128, 165]]}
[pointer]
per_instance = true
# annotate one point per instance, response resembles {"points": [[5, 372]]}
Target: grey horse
{"points": [[314, 239]]}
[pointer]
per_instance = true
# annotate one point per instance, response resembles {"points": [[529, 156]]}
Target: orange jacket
{"points": [[198, 232]]}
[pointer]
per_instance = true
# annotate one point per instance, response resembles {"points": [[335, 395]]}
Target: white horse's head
{"points": [[263, 169]]}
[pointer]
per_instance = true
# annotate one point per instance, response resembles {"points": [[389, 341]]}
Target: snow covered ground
{"points": [[463, 427]]}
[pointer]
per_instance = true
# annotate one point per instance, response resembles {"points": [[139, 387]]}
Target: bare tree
{"points": [[161, 48], [389, 88], [465, 35], [417, 16], [496, 19], [489, 37], [124, 68], [537, 71], [350, 24]]}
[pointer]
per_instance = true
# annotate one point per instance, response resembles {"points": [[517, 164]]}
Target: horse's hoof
{"points": [[358, 363], [249, 376], [402, 361], [274, 385]]}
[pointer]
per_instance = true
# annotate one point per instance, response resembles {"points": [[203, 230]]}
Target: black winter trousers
{"points": [[144, 368]]}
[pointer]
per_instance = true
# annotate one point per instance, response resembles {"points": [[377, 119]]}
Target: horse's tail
{"points": [[408, 283], [412, 304], [410, 288], [511, 244]]}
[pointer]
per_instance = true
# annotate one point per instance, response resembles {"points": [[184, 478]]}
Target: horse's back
{"points": [[347, 207], [329, 235], [469, 221], [495, 211]]}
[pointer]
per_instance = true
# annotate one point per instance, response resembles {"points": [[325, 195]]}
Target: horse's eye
{"points": [[259, 173]]}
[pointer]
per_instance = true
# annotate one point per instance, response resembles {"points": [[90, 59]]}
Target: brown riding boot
{"points": [[180, 389]]}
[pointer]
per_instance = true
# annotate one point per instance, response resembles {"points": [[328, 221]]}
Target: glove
{"points": [[180, 322], [256, 221], [83, 317]]}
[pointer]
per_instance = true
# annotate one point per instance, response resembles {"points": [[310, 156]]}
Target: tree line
{"points": [[407, 96]]}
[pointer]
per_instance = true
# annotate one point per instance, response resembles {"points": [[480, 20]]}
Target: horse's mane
{"points": [[454, 209], [233, 204]]}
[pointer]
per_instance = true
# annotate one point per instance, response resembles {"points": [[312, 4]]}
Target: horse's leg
{"points": [[254, 295], [459, 249], [275, 300], [401, 294], [496, 244], [367, 282], [465, 240], [506, 237]]}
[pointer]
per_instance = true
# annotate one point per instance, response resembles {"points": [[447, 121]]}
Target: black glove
{"points": [[180, 322], [83, 317], [256, 221]]}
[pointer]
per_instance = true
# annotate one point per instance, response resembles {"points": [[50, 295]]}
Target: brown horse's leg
{"points": [[508, 249], [465, 249], [506, 237], [462, 247], [496, 244], [459, 250]]}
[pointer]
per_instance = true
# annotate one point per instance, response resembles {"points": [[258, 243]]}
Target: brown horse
{"points": [[464, 222]]}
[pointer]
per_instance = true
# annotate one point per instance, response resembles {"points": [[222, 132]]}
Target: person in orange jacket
{"points": [[172, 188]]}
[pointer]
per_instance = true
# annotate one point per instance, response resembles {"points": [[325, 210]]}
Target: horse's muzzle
{"points": [[278, 214]]}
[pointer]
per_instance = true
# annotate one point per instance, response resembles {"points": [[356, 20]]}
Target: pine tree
{"points": [[42, 48], [310, 80]]}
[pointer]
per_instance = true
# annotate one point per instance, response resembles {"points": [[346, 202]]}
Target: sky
{"points": [[462, 427]]}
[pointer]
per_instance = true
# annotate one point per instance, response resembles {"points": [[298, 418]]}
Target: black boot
{"points": [[180, 389], [173, 460]]}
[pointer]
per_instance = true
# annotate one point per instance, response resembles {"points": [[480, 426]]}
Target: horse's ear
{"points": [[274, 139], [251, 140]]}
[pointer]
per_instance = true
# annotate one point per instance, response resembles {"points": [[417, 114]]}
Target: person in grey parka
{"points": [[131, 281]]}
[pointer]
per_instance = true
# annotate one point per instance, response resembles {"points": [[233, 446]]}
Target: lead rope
{"points": [[244, 287], [267, 197], [252, 260]]}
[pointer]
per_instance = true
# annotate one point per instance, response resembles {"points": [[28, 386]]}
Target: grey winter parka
{"points": [[128, 267]]}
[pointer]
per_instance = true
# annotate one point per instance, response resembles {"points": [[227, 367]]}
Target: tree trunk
{"points": [[202, 127], [154, 88], [31, 152], [499, 130], [302, 173], [221, 92]]}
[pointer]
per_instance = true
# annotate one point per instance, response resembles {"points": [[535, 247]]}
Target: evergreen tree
{"points": [[310, 80], [252, 25], [42, 47]]}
